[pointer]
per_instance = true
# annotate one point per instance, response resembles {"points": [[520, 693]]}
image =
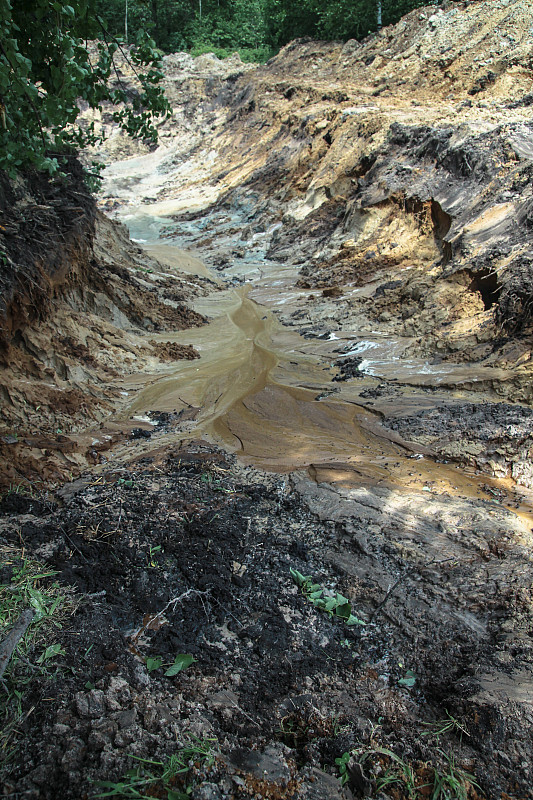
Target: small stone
{"points": [[268, 766], [127, 718], [118, 694], [141, 679], [41, 775], [126, 737], [101, 734], [61, 730], [90, 704], [207, 791], [74, 755], [323, 787]]}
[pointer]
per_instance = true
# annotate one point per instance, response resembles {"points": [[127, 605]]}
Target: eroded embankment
{"points": [[81, 307], [387, 191], [396, 186], [368, 193]]}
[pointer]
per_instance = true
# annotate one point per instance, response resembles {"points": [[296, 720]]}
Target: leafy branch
{"points": [[47, 72]]}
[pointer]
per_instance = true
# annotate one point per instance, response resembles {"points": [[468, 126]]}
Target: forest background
{"points": [[57, 55], [254, 28]]}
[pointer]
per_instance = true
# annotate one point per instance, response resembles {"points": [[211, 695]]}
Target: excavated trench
{"points": [[359, 293], [272, 396]]}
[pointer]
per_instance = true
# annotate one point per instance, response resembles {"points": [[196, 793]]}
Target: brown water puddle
{"points": [[260, 391]]}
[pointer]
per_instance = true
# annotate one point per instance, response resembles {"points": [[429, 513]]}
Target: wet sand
{"points": [[264, 392]]}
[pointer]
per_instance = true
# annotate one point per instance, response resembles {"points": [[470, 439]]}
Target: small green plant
{"points": [[452, 783], [29, 589], [125, 482], [51, 652], [408, 680], [336, 605], [170, 777], [384, 766], [26, 590], [181, 662], [444, 726], [386, 769], [153, 551], [342, 765], [24, 489]]}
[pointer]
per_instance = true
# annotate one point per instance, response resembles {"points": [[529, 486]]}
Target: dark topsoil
{"points": [[46, 235], [284, 688]]}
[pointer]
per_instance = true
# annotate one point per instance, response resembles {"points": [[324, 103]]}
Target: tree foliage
{"points": [[47, 67], [261, 25], [47, 64]]}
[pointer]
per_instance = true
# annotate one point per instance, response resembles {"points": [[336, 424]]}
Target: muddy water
{"points": [[264, 392]]}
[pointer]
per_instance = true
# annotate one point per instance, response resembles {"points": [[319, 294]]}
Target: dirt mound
{"points": [[187, 553], [458, 48]]}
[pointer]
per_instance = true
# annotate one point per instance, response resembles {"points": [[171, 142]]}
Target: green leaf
{"points": [[36, 600], [298, 578], [409, 680], [50, 652], [182, 661], [353, 620], [153, 663], [343, 611]]}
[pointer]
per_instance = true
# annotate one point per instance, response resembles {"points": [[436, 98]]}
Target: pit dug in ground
{"points": [[209, 641]]}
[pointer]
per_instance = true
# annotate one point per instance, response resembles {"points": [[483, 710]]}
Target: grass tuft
{"points": [[27, 586]]}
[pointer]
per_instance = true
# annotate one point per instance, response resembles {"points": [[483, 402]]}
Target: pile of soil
{"points": [[187, 552]]}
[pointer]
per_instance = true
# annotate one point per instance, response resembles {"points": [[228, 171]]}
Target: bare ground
{"points": [[187, 552], [317, 162]]}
